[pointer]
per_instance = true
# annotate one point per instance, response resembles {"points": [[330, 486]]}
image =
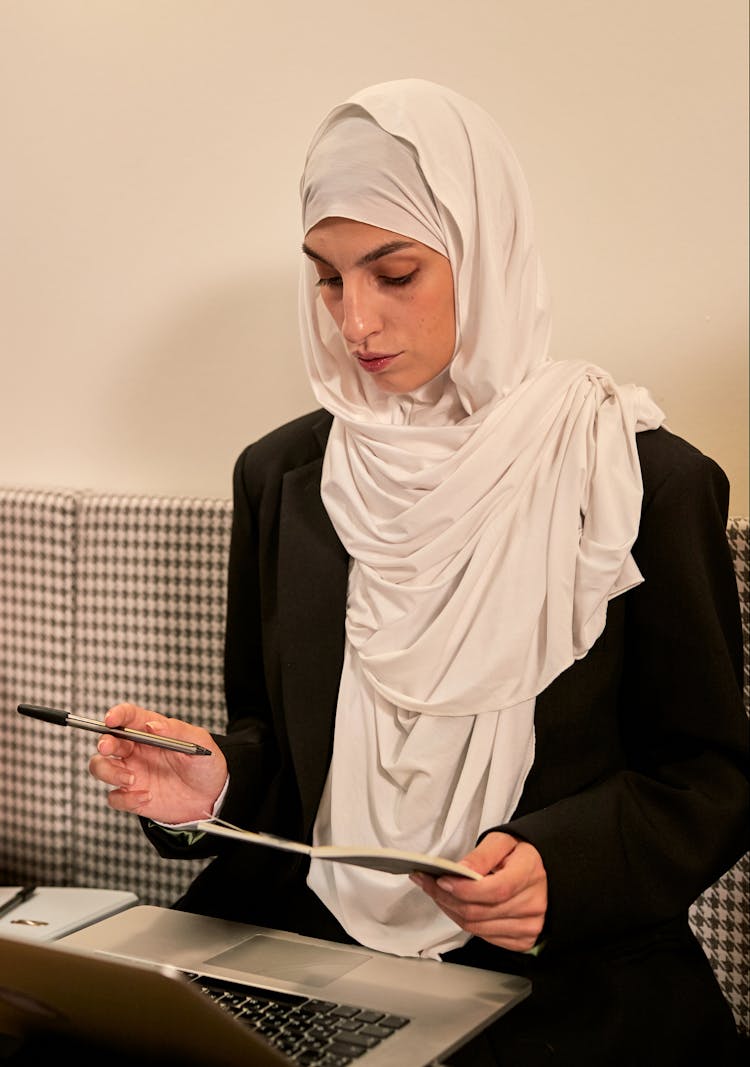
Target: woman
{"points": [[507, 585]]}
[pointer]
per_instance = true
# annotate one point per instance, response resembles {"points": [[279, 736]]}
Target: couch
{"points": [[116, 597]]}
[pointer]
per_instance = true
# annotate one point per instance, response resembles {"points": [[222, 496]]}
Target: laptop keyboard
{"points": [[312, 1033]]}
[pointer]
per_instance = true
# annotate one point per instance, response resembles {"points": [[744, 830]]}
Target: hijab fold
{"points": [[489, 515]]}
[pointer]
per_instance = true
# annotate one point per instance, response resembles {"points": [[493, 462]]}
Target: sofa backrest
{"points": [[108, 597]]}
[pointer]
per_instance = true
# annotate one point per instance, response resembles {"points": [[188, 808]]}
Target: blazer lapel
{"points": [[313, 571]]}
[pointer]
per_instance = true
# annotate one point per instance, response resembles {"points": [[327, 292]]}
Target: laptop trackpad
{"points": [[288, 960]]}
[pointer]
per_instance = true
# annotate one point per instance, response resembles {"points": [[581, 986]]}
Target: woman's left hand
{"points": [[507, 907]]}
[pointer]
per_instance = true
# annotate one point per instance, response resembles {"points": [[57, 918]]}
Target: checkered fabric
{"points": [[150, 629], [37, 559], [720, 916]]}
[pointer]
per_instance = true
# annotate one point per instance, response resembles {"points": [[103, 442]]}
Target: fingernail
{"points": [[446, 884]]}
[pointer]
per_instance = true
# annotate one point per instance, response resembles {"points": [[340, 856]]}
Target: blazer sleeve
{"points": [[638, 846]]}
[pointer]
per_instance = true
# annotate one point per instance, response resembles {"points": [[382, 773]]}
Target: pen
{"points": [[16, 899], [66, 718]]}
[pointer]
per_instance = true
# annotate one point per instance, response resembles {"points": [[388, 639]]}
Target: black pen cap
{"points": [[47, 714]]}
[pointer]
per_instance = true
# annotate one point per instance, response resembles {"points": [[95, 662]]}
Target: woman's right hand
{"points": [[154, 782]]}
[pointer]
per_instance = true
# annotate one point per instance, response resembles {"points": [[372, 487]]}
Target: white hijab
{"points": [[489, 515]]}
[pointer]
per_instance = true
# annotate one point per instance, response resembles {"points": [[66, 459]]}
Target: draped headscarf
{"points": [[488, 515]]}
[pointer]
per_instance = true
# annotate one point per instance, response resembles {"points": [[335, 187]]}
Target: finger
{"points": [[520, 869], [526, 906], [492, 852], [163, 726], [490, 890], [120, 715], [110, 772], [132, 801], [512, 942], [126, 714], [509, 932], [457, 894], [522, 927], [114, 747], [503, 894], [517, 933]]}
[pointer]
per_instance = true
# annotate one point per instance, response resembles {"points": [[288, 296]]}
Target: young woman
{"points": [[481, 604]]}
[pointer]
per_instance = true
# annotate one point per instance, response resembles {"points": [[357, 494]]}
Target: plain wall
{"points": [[149, 222]]}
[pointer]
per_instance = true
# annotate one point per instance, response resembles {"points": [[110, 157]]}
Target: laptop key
{"points": [[359, 1040], [344, 1010], [370, 1016], [318, 1005], [376, 1031], [323, 1029], [393, 1022], [343, 1048]]}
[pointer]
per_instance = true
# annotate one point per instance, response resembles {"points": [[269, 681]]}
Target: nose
{"points": [[360, 317]]}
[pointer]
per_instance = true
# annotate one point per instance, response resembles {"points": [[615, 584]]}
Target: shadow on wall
{"points": [[203, 385]]}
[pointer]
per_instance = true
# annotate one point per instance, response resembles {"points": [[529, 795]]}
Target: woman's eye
{"points": [[334, 281], [402, 279]]}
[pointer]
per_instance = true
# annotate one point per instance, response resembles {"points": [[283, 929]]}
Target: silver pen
{"points": [[66, 718]]}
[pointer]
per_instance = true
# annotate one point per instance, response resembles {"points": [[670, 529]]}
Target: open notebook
{"points": [[391, 860], [187, 988]]}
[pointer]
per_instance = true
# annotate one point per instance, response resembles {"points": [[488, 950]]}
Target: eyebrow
{"points": [[369, 257]]}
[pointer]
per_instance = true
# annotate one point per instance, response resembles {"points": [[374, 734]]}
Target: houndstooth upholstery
{"points": [[149, 629], [38, 540], [720, 916], [106, 598]]}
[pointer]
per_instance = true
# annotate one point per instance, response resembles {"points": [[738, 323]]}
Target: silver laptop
{"points": [[224, 994]]}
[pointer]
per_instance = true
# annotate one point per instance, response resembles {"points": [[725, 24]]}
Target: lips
{"points": [[372, 362]]}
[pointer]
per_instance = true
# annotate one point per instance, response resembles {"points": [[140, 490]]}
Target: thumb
{"points": [[491, 852]]}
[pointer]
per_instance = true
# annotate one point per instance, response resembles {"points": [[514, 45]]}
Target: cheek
{"points": [[450, 332], [441, 326]]}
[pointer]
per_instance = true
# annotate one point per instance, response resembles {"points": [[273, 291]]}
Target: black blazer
{"points": [[637, 800]]}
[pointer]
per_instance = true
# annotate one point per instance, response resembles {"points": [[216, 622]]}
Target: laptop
{"points": [[155, 982]]}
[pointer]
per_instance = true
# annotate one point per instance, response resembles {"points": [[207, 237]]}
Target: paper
{"points": [[392, 860]]}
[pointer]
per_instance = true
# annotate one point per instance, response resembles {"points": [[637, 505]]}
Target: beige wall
{"points": [[149, 223]]}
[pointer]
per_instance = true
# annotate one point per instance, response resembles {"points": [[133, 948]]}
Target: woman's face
{"points": [[391, 298]]}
